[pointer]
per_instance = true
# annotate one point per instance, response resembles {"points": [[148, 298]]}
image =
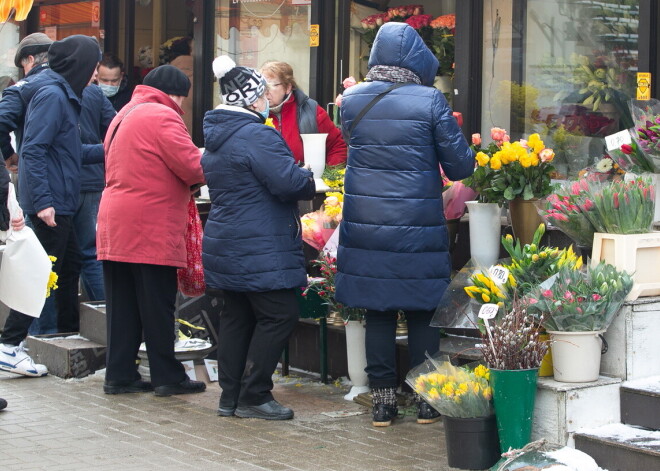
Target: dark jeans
{"points": [[140, 299], [84, 222], [59, 241], [381, 346], [253, 331]]}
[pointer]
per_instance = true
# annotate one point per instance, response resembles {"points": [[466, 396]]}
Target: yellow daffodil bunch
{"points": [[52, 278], [453, 391], [333, 176]]}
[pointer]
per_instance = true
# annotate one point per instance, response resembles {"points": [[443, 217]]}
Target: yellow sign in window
{"points": [[314, 35], [643, 85]]}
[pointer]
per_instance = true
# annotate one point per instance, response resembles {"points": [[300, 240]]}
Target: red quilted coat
{"points": [[287, 124], [150, 166]]}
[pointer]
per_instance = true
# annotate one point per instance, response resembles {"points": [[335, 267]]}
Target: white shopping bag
{"points": [[25, 267]]}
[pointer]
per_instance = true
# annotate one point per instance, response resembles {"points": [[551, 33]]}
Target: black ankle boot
{"points": [[425, 413], [384, 406]]}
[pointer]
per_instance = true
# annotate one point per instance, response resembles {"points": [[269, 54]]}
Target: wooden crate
{"points": [[637, 254]]}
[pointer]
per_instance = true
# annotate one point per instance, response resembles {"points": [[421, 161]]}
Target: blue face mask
{"points": [[109, 90], [265, 112]]}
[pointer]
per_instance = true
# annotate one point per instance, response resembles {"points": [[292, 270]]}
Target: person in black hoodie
{"points": [[49, 185]]}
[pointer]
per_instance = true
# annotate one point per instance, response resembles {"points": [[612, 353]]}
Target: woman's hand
{"points": [[18, 223]]}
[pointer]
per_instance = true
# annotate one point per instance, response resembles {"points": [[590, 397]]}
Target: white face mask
{"points": [[109, 90]]}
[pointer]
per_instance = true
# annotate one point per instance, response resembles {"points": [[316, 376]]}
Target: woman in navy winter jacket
{"points": [[393, 244], [252, 248]]}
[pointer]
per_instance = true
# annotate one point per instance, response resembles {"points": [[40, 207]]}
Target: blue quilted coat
{"points": [[252, 238], [393, 243]]}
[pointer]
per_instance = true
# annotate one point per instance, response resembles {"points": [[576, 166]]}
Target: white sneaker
{"points": [[15, 360]]}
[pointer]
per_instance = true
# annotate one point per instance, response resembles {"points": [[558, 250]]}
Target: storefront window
{"points": [[9, 37], [255, 31], [60, 21], [578, 64]]}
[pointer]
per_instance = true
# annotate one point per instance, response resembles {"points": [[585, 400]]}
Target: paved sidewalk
{"points": [[71, 425]]}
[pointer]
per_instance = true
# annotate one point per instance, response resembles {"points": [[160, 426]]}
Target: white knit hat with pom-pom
{"points": [[240, 86]]}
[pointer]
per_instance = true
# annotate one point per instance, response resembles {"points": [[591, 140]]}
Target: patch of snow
{"points": [[650, 384], [573, 459], [626, 433], [68, 337]]}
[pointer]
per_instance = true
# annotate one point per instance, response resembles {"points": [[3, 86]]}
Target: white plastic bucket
{"points": [[576, 356]]}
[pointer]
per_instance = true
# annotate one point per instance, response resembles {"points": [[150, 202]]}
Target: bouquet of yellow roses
{"points": [[451, 390]]}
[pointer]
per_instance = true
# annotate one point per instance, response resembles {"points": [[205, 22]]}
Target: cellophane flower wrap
{"points": [[451, 390], [581, 301], [646, 118], [324, 286], [530, 265], [632, 159], [561, 209], [619, 207]]}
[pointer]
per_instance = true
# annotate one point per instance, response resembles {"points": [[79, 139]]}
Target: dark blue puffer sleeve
{"points": [[273, 165], [12, 111], [93, 154], [454, 153]]}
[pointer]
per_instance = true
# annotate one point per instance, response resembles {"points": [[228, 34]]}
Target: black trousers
{"points": [[253, 331], [141, 300], [59, 241], [380, 343]]}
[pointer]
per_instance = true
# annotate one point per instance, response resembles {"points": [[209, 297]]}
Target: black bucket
{"points": [[472, 443]]}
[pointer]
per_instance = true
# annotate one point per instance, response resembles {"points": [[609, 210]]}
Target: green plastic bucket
{"points": [[514, 392]]}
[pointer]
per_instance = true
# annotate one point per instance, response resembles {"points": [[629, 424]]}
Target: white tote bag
{"points": [[25, 267]]}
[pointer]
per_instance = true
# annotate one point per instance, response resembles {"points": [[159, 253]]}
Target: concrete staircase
{"points": [[633, 444]]}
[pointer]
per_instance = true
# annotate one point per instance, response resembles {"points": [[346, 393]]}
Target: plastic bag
{"points": [[541, 455], [191, 278], [451, 390], [25, 267]]}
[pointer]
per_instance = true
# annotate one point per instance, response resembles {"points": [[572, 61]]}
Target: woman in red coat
{"points": [[294, 113], [151, 164]]}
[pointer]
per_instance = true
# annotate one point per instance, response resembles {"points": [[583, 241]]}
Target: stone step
{"points": [[92, 321], [67, 355], [640, 402], [632, 339], [563, 408], [619, 447]]}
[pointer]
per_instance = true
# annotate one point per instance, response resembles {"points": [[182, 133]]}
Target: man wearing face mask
{"points": [[113, 82], [252, 247], [49, 185]]}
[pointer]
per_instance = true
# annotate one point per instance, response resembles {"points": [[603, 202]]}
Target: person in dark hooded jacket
{"points": [[49, 185], [393, 243], [252, 247]]}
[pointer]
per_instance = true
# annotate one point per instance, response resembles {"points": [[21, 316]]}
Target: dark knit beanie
{"points": [[31, 45], [75, 58], [240, 86], [168, 79]]}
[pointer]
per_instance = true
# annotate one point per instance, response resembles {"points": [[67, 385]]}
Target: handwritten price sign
{"points": [[499, 274], [615, 141], [488, 311]]}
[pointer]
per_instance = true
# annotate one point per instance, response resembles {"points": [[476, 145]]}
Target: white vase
{"points": [[576, 356], [314, 149], [485, 232], [356, 355]]}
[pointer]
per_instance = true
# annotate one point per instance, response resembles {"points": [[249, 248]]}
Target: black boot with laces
{"points": [[385, 407]]}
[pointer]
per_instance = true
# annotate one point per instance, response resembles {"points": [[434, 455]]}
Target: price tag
{"points": [[499, 274], [488, 311], [615, 141]]}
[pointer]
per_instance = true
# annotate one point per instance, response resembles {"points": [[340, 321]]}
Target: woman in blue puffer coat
{"points": [[393, 244], [252, 248]]}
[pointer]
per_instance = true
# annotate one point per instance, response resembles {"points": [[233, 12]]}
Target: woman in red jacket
{"points": [[150, 166], [294, 113]]}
